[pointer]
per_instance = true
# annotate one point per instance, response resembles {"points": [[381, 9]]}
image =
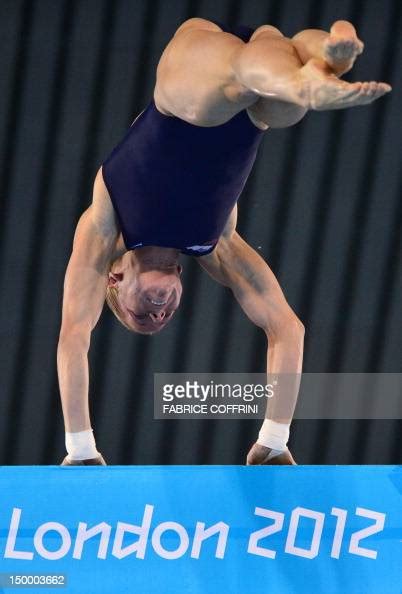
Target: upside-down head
{"points": [[144, 292]]}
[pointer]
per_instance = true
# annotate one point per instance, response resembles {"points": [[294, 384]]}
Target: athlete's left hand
{"points": [[258, 455]]}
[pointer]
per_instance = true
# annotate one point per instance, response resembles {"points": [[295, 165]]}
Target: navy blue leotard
{"points": [[174, 184]]}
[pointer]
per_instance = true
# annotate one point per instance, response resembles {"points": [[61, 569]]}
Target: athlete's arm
{"points": [[83, 298], [236, 265]]}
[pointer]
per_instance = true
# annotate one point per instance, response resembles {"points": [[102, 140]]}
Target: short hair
{"points": [[112, 299]]}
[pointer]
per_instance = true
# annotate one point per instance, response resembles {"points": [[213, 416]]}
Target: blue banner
{"points": [[202, 530]]}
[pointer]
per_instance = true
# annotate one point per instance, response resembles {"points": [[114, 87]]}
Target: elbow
{"points": [[74, 339], [288, 328]]}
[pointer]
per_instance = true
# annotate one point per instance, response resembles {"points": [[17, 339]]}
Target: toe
{"points": [[385, 87]]}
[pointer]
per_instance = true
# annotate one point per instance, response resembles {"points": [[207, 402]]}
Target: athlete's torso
{"points": [[174, 184]]}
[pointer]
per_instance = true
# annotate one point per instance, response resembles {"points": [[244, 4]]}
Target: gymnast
{"points": [[171, 186]]}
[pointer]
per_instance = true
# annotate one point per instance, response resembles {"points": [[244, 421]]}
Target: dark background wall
{"points": [[323, 206]]}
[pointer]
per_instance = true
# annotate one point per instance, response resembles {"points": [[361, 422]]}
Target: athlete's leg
{"points": [[280, 112], [206, 76], [193, 74], [271, 66]]}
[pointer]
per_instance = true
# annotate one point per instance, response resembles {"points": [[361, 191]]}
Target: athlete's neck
{"points": [[154, 258]]}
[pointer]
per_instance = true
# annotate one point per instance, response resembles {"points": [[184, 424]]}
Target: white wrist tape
{"points": [[81, 445], [274, 435]]}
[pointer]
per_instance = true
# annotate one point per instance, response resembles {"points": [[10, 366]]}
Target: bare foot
{"points": [[259, 454], [336, 94], [322, 91], [342, 47]]}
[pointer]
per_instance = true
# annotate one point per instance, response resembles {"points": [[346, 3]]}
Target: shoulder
{"points": [[103, 214], [224, 263], [97, 234], [230, 226], [222, 260], [227, 236]]}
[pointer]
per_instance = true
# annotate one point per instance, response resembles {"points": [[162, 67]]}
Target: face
{"points": [[148, 299]]}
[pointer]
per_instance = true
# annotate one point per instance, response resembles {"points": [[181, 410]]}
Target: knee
{"points": [[266, 31], [198, 23]]}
